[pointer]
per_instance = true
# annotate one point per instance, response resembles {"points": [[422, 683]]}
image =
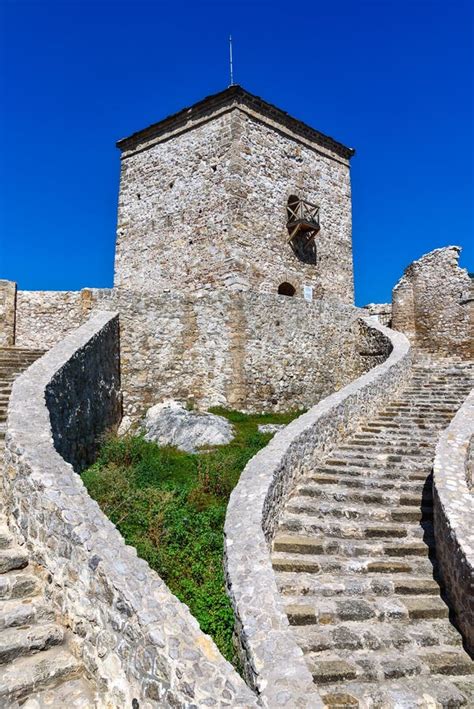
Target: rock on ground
{"points": [[270, 427], [170, 424]]}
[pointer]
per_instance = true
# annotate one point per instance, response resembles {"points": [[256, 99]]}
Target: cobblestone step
{"points": [[300, 504], [16, 641], [374, 635], [355, 560], [37, 668], [328, 667], [26, 675], [73, 694]]}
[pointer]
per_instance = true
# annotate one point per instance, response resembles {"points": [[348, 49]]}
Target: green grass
{"points": [[171, 507]]}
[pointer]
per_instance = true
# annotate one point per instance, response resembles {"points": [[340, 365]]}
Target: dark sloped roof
{"points": [[233, 95]]}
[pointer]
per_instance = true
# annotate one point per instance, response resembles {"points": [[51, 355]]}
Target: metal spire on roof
{"points": [[231, 62]]}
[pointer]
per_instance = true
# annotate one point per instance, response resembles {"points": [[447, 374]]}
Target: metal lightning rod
{"points": [[231, 62]]}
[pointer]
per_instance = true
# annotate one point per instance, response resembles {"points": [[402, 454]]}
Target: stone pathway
{"points": [[37, 668], [355, 560]]}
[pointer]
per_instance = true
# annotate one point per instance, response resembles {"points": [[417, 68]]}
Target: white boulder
{"points": [[170, 424]]}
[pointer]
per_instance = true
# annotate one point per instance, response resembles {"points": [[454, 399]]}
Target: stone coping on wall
{"points": [[454, 515], [273, 663], [136, 639]]}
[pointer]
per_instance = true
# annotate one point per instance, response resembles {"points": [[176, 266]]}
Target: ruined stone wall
{"points": [[431, 305], [381, 311], [137, 641], [206, 207], [249, 351], [7, 313]]}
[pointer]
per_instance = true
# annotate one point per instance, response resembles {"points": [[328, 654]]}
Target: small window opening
{"points": [[286, 289]]}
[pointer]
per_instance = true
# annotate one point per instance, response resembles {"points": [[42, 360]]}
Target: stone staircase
{"points": [[355, 559], [37, 668]]}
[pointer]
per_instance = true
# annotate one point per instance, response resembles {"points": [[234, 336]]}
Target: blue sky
{"points": [[392, 78]]}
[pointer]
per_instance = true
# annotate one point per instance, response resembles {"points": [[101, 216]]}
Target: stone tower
{"points": [[234, 193]]}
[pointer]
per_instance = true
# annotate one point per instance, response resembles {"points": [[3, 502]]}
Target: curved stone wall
{"points": [[273, 663], [454, 515], [136, 639]]}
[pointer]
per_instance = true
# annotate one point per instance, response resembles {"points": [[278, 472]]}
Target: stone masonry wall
{"points": [[267, 167], [138, 642], [431, 305], [206, 207], [7, 313], [273, 663], [249, 351], [453, 516]]}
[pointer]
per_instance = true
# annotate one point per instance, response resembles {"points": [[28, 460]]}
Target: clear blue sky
{"points": [[392, 78]]}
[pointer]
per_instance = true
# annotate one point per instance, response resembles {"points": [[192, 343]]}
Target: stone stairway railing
{"points": [[454, 516], [141, 645], [273, 662]]}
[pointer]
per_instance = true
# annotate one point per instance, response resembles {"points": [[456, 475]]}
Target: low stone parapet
{"points": [[140, 644], [273, 662], [454, 516]]}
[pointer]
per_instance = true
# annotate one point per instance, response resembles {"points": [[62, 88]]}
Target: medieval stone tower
{"points": [[234, 193]]}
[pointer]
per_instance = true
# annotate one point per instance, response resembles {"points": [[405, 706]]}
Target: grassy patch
{"points": [[171, 507]]}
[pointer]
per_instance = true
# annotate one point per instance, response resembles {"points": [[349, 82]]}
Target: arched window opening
{"points": [[286, 289]]}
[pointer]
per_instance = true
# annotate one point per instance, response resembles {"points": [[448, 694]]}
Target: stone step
{"points": [[6, 537], [407, 692], [418, 564], [392, 498], [19, 584], [375, 636], [24, 611], [395, 464], [309, 526], [15, 642], [317, 544], [329, 585], [25, 674], [12, 559], [369, 481], [73, 694], [329, 667], [301, 504], [303, 610]]}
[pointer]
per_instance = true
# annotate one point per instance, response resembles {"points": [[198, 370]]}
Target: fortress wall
{"points": [[433, 304], [141, 644], [248, 351]]}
